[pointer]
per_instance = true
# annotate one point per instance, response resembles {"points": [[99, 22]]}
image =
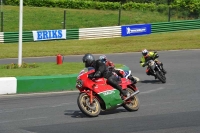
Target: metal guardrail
{"points": [[175, 26], [104, 32], [11, 37], [27, 36], [99, 32], [1, 37]]}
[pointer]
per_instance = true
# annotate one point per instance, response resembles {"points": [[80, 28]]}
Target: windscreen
{"points": [[85, 70]]}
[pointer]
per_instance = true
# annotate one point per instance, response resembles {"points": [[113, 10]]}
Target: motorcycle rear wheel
{"points": [[91, 110], [134, 103]]}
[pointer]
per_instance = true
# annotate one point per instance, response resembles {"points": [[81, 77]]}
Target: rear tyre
{"points": [[132, 103], [91, 110]]}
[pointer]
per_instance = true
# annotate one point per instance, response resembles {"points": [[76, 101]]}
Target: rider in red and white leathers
{"points": [[111, 67], [102, 71]]}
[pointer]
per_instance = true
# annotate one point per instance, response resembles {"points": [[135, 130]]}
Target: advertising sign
{"points": [[49, 34], [136, 30]]}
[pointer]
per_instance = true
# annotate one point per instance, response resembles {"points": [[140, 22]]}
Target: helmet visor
{"points": [[144, 54], [88, 64]]}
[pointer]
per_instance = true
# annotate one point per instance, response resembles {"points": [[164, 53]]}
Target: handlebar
{"points": [[91, 76]]}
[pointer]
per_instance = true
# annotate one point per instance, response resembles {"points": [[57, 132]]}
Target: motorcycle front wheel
{"points": [[161, 76], [132, 103], [91, 110]]}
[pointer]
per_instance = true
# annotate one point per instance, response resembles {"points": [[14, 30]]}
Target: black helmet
{"points": [[88, 59]]}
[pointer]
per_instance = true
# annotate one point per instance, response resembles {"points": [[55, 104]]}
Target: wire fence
{"points": [[43, 18]]}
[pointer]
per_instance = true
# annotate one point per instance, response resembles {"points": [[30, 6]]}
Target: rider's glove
{"points": [[156, 56], [90, 76], [97, 74], [111, 68]]}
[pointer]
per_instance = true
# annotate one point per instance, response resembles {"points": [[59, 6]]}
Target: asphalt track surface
{"points": [[173, 107]]}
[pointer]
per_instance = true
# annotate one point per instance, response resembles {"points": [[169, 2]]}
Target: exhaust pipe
{"points": [[133, 94]]}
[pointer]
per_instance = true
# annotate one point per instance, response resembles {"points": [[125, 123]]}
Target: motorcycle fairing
{"points": [[126, 72], [147, 70], [124, 83], [111, 98], [109, 95]]}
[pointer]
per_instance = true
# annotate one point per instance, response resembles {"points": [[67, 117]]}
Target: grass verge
{"points": [[43, 69], [160, 41]]}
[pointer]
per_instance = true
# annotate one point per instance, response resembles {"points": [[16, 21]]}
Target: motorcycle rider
{"points": [[111, 67], [146, 56], [102, 71], [108, 63]]}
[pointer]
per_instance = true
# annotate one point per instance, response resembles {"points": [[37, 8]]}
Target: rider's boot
{"points": [[111, 81], [134, 81]]}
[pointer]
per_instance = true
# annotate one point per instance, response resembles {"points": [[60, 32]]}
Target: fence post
{"points": [[119, 18], [1, 15], [169, 11], [1, 21], [64, 22]]}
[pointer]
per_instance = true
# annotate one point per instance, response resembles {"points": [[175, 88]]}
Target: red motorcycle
{"points": [[96, 96]]}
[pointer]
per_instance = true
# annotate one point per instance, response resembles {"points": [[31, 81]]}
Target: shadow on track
{"points": [[74, 114], [79, 114], [151, 81]]}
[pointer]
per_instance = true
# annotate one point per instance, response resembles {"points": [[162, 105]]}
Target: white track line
{"points": [[150, 91]]}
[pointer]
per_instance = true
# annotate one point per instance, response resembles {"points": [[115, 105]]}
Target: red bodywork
{"points": [[95, 86]]}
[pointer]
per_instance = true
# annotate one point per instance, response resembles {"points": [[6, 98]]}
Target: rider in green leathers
{"points": [[146, 56]]}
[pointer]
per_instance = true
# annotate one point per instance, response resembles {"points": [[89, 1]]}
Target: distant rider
{"points": [[111, 67], [102, 71], [146, 56]]}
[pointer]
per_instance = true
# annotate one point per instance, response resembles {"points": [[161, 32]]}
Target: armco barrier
{"points": [[175, 26], [99, 32], [105, 32], [10, 37], [34, 84], [1, 37], [27, 36]]}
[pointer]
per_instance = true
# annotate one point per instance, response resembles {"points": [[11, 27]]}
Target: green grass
{"points": [[50, 18], [162, 41], [45, 69], [43, 18]]}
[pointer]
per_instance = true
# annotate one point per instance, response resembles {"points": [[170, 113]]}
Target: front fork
{"points": [[153, 71], [90, 94], [91, 97], [133, 87]]}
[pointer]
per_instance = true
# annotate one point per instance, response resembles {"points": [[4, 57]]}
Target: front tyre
{"points": [[133, 103], [91, 110], [161, 76]]}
